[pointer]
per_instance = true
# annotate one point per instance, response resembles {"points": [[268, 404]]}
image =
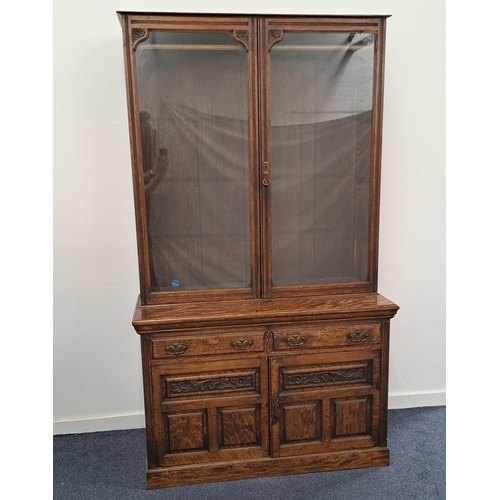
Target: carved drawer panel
{"points": [[304, 336], [182, 346], [348, 370], [237, 381], [331, 375]]}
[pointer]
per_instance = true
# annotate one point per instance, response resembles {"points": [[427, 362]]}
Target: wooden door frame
{"points": [[271, 31], [136, 29]]}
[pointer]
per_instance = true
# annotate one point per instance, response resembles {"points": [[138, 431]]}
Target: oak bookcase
{"points": [[256, 150]]}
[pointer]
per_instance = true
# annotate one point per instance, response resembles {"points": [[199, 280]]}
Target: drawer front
{"points": [[241, 341], [309, 335]]}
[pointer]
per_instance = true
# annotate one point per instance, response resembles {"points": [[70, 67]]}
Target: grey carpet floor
{"points": [[110, 465]]}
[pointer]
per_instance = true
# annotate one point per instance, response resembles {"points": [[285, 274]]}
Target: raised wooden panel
{"points": [[214, 431], [351, 417], [301, 422], [186, 432], [239, 427]]}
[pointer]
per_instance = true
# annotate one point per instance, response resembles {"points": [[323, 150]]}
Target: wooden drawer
{"points": [[181, 346], [310, 335]]}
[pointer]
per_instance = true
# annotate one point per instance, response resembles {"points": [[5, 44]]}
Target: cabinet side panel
{"points": [[384, 382], [148, 401]]}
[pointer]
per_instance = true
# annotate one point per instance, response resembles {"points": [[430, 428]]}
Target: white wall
{"points": [[97, 373]]}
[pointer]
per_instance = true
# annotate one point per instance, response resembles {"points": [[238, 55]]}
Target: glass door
{"points": [[321, 113], [194, 112]]}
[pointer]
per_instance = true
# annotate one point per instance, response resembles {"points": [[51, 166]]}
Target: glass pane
{"points": [[194, 133], [321, 107]]}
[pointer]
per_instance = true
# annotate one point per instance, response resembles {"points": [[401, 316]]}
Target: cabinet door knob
{"points": [[358, 336], [176, 349], [295, 339], [242, 344]]}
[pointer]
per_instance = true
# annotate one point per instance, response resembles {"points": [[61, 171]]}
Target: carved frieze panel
{"points": [[294, 380], [199, 385]]}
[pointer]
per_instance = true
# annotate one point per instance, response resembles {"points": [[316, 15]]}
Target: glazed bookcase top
{"points": [[256, 147]]}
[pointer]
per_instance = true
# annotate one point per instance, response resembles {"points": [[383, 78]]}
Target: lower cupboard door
{"points": [[324, 402], [208, 416]]}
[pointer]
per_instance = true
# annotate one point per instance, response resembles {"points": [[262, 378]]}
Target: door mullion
{"points": [[254, 158], [265, 158]]}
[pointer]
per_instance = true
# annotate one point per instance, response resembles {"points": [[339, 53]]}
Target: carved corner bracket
{"points": [[273, 37], [243, 37], [138, 36]]}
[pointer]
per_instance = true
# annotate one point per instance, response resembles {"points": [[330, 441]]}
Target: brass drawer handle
{"points": [[295, 339], [358, 336], [242, 344], [176, 349]]}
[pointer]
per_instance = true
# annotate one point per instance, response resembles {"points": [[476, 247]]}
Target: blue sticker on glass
{"points": [[175, 283]]}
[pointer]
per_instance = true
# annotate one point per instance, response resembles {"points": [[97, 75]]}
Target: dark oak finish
{"points": [[256, 147]]}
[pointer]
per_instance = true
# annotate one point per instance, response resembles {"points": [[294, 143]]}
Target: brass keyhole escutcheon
{"points": [[265, 175]]}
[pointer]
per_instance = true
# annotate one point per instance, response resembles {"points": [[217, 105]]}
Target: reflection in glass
{"points": [[194, 132], [321, 108]]}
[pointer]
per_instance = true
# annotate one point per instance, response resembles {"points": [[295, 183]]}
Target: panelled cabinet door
{"points": [[207, 413], [322, 119], [193, 107], [324, 402]]}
